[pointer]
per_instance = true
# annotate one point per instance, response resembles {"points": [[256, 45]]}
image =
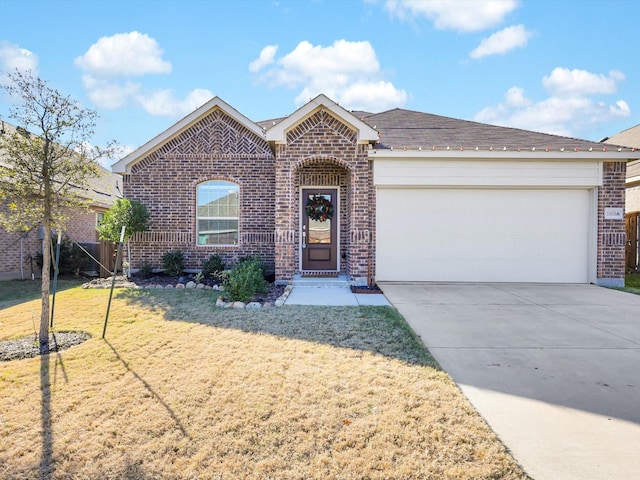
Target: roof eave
{"points": [[507, 154]]}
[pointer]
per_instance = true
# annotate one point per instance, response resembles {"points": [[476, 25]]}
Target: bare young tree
{"points": [[45, 166]]}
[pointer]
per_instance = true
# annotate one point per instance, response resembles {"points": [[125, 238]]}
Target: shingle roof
{"points": [[102, 191], [399, 128]]}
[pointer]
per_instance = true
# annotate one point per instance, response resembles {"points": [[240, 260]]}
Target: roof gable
{"points": [[278, 132], [173, 132]]}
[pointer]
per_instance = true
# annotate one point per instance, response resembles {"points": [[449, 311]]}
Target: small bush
{"points": [[72, 258], [145, 269], [212, 266], [173, 263], [244, 281], [258, 260]]}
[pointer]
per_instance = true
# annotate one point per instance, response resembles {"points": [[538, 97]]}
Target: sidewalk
{"points": [[333, 296]]}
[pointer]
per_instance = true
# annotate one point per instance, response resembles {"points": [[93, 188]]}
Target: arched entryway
{"points": [[322, 190]]}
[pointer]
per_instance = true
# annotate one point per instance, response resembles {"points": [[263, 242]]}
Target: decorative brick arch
{"points": [[317, 159]]}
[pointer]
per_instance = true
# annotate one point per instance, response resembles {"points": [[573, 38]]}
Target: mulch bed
{"points": [[27, 347], [365, 289]]}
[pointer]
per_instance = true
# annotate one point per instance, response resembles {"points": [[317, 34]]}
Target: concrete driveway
{"points": [[554, 369]]}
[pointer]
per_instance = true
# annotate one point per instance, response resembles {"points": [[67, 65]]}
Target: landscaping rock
{"points": [[169, 286], [253, 305], [207, 287], [239, 305], [191, 284], [200, 286], [180, 285], [221, 303]]}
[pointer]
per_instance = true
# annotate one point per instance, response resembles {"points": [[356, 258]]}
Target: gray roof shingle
{"points": [[401, 128]]}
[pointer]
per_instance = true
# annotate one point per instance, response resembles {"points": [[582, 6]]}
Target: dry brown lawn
{"points": [[182, 390]]}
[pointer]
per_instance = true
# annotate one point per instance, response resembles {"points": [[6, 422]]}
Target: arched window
{"points": [[217, 213]]}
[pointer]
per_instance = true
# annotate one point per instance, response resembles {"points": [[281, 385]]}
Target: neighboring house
{"points": [[417, 197], [18, 252], [630, 138]]}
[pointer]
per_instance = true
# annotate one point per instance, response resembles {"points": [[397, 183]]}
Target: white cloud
{"points": [[515, 98], [12, 58], [457, 15], [565, 82], [108, 94], [502, 42], [348, 72], [131, 54], [379, 95], [266, 57], [570, 110], [164, 102], [111, 62]]}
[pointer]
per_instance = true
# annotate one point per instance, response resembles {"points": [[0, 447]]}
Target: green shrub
{"points": [[244, 281], [212, 266], [145, 269], [173, 263], [258, 260], [72, 258]]}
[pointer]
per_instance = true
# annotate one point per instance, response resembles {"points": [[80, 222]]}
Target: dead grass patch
{"points": [[182, 390]]}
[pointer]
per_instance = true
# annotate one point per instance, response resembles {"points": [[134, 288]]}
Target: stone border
{"points": [[221, 303], [123, 282]]}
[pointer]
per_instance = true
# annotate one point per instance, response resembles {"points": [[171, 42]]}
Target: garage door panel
{"points": [[483, 235]]}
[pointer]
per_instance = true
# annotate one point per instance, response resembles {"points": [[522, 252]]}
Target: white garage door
{"points": [[483, 235]]}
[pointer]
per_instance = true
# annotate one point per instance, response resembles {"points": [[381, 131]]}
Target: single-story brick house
{"points": [[414, 197], [18, 251]]}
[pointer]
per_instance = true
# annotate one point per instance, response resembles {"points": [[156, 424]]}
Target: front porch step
{"points": [[339, 281]]}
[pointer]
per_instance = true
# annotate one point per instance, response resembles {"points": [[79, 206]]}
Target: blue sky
{"points": [[560, 66]]}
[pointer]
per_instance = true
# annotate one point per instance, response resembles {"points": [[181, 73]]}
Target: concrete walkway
{"points": [[333, 296], [554, 370]]}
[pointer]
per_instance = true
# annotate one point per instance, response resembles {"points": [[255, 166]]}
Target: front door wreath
{"points": [[319, 208]]}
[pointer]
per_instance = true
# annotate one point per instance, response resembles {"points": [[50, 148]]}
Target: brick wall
{"points": [[16, 249], [320, 149], [81, 226], [215, 148], [15, 252], [611, 233]]}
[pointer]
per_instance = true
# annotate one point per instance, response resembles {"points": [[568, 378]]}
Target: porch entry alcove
{"points": [[319, 237]]}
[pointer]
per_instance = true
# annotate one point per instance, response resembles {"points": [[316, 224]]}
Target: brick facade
{"points": [[81, 226], [215, 148], [322, 151], [611, 233], [317, 148], [18, 250]]}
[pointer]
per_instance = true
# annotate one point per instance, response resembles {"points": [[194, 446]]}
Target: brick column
{"points": [[611, 233]]}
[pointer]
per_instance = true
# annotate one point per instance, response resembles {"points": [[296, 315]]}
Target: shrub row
{"points": [[242, 282]]}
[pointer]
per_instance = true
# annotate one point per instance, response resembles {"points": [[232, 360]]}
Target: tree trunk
{"points": [[43, 337]]}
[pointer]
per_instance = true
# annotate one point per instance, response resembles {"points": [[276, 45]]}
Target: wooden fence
{"points": [[107, 251], [631, 250]]}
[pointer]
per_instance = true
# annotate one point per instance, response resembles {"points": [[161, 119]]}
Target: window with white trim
{"points": [[217, 213]]}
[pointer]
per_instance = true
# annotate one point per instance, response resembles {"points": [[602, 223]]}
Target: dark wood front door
{"points": [[319, 237]]}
